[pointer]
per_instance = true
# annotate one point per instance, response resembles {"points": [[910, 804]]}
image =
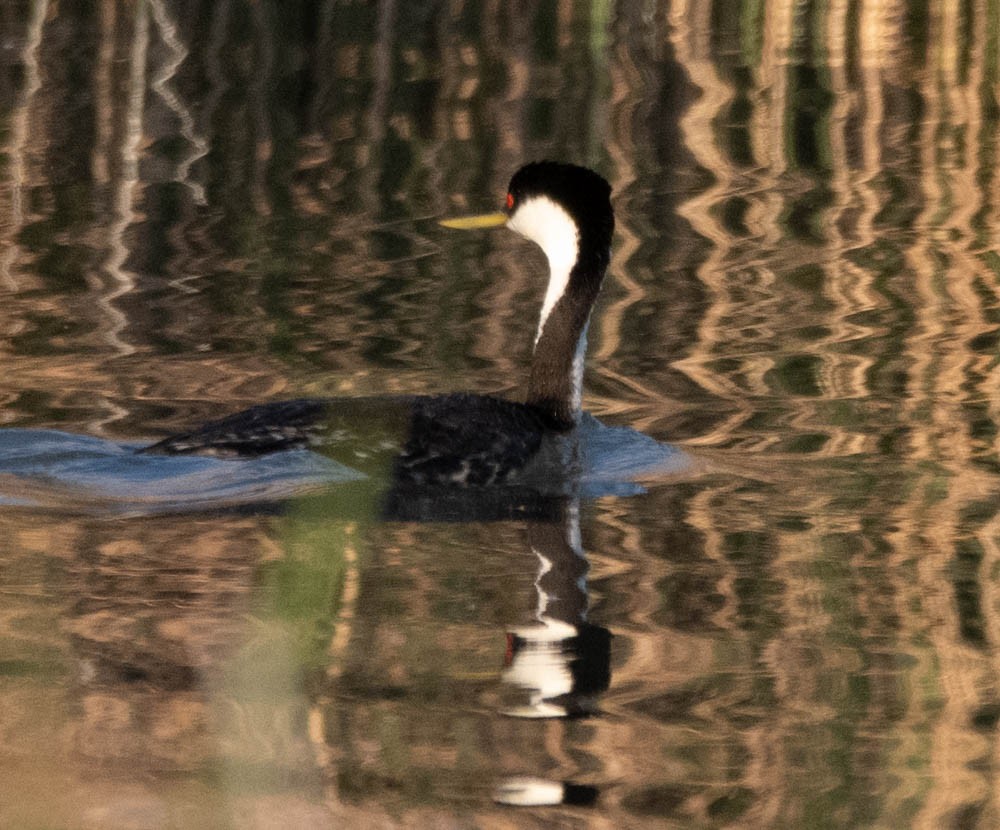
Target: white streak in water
{"points": [[579, 357]]}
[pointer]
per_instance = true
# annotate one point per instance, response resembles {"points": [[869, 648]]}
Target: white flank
{"points": [[549, 226], [579, 358]]}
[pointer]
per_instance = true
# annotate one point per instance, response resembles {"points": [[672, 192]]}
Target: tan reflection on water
{"points": [[803, 293]]}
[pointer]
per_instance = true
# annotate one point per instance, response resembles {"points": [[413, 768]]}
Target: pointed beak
{"points": [[467, 223]]}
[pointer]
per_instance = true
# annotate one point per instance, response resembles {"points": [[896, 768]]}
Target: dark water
{"points": [[205, 205]]}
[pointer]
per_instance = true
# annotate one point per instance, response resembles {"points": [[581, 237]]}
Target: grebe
{"points": [[461, 439]]}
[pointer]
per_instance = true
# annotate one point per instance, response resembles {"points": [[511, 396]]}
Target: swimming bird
{"points": [[461, 439]]}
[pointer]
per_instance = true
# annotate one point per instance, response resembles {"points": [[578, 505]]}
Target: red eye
{"points": [[510, 201]]}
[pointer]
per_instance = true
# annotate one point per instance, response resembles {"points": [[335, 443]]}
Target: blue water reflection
{"points": [[45, 468]]}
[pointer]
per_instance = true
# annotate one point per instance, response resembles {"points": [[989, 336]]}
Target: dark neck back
{"points": [[552, 385]]}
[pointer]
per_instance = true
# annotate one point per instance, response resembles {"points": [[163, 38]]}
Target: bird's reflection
{"points": [[560, 662], [532, 791]]}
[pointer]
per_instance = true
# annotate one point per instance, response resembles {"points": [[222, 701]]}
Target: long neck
{"points": [[556, 380]]}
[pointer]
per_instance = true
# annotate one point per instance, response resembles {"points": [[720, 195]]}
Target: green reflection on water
{"points": [[267, 690]]}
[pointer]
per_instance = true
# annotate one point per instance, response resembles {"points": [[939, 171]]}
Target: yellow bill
{"points": [[466, 223]]}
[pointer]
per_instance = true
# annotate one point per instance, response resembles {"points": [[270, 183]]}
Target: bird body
{"points": [[460, 439]]}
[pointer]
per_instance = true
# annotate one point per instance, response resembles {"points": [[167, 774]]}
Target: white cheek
{"points": [[549, 226]]}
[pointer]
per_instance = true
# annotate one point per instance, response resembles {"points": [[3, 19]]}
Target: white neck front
{"points": [[548, 225]]}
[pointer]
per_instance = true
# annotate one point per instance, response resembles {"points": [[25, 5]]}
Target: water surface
{"points": [[205, 205]]}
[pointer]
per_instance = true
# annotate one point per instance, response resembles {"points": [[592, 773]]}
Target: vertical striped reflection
{"points": [[950, 347], [847, 333]]}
